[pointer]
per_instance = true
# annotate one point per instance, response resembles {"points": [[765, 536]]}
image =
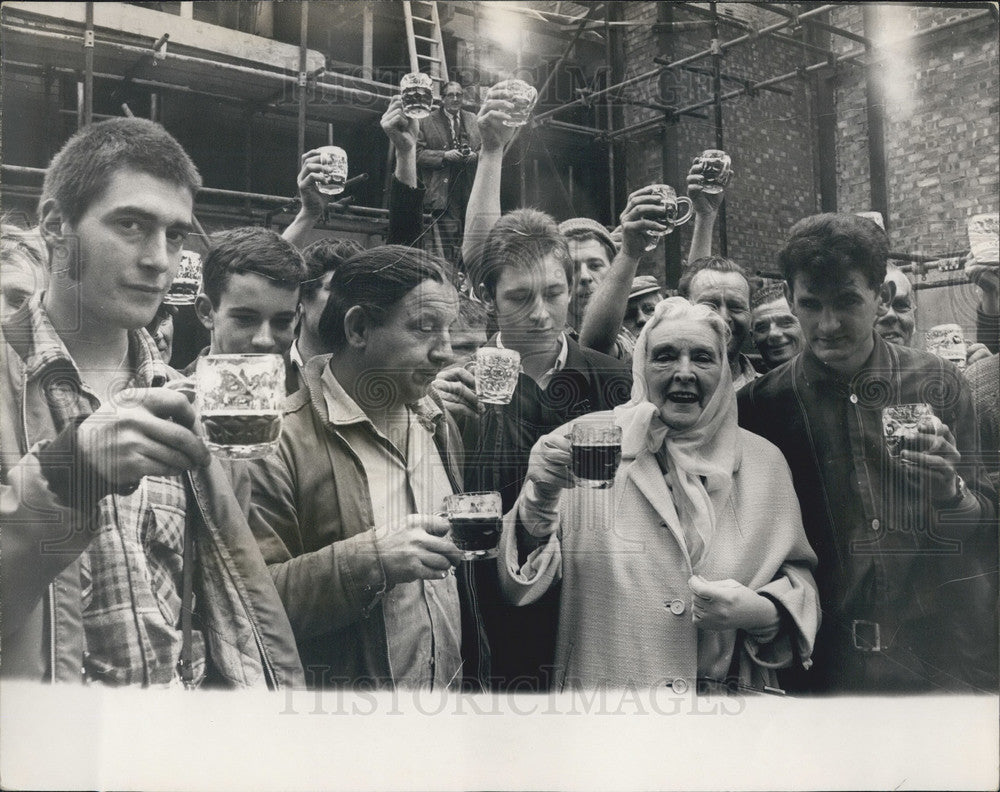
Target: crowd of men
{"points": [[131, 556]]}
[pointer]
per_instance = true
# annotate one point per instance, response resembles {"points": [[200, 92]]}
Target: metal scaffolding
{"points": [[792, 18]]}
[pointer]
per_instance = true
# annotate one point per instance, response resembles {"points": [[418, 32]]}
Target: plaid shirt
{"points": [[131, 571]]}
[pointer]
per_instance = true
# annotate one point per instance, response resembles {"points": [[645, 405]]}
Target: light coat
{"points": [[626, 607]]}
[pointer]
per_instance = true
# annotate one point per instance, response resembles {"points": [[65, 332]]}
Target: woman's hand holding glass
{"points": [[549, 465], [548, 475], [729, 605]]}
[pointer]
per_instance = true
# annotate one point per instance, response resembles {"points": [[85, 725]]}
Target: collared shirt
{"points": [[422, 618], [295, 356], [131, 571], [560, 363], [747, 372], [887, 553]]}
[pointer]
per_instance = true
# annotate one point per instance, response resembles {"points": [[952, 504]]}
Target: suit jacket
{"points": [[448, 185]]}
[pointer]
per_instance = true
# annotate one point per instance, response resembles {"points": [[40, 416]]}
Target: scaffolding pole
{"points": [[652, 122], [684, 61], [569, 48], [717, 106], [174, 56], [693, 8], [837, 31], [88, 65], [609, 54], [303, 81]]}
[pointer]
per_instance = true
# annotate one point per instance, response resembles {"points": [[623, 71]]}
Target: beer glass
{"points": [[672, 216], [239, 401], [187, 281], [475, 519], [716, 170], [947, 341], [901, 422], [596, 452], [984, 237], [334, 162], [417, 93], [523, 97], [496, 372]]}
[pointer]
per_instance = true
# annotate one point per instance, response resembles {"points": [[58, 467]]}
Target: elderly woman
{"points": [[694, 565]]}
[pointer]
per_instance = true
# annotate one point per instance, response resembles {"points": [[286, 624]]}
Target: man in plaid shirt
{"points": [[103, 476]]}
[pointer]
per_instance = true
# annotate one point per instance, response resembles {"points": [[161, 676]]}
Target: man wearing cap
{"points": [[621, 302], [775, 329], [592, 250]]}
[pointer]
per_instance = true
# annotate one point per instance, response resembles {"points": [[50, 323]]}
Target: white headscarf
{"points": [[701, 459]]}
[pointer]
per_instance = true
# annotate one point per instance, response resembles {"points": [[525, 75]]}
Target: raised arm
{"points": [[606, 310], [483, 209], [706, 209], [313, 201], [406, 195]]}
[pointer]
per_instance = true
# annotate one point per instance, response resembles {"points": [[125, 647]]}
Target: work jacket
{"points": [[313, 518], [248, 638]]}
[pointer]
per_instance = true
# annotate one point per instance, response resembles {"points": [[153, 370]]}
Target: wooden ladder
{"points": [[425, 42]]}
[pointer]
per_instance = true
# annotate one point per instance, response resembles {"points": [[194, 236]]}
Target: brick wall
{"points": [[769, 136], [941, 127]]}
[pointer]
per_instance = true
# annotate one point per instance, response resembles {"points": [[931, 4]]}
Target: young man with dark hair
{"points": [[524, 275], [250, 292], [906, 541], [127, 559], [321, 259], [346, 511]]}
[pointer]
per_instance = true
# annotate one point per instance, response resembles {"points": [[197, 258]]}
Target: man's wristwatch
{"points": [[960, 489]]}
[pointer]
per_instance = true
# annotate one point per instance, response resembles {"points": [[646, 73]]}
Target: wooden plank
{"points": [[188, 33]]}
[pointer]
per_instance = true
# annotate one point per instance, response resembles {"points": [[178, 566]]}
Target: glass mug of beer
{"points": [[186, 283], [496, 371], [596, 448], [417, 94], [901, 424], [672, 216], [716, 170], [239, 401], [947, 341], [334, 162], [522, 95], [475, 519]]}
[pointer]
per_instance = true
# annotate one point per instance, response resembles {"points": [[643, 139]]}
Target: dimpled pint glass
{"points": [[900, 424], [522, 95], [671, 216], [239, 401], [496, 372], [334, 162], [417, 94], [716, 170]]}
